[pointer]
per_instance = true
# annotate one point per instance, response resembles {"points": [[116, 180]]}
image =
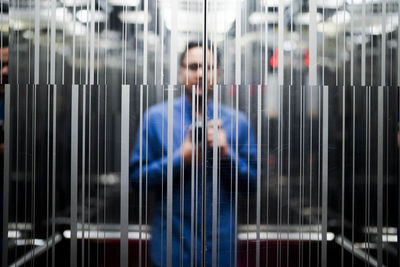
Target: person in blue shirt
{"points": [[187, 190]]}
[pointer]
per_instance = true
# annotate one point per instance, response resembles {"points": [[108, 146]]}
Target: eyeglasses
{"points": [[195, 67]]}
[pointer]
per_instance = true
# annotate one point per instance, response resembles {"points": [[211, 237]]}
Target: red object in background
{"points": [[232, 90], [271, 160], [307, 58], [273, 62]]}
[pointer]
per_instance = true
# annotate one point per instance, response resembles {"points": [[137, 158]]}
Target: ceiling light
{"points": [[77, 3], [84, 16], [329, 4], [189, 15], [261, 18], [341, 17], [276, 3], [134, 17], [62, 14], [123, 2], [304, 18], [75, 28]]}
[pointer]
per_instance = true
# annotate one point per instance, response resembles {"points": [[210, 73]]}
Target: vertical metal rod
{"points": [[398, 178], [172, 83], [140, 170], [182, 178], [353, 176], [6, 173], [147, 164], [380, 134], [192, 220], [54, 168], [324, 174], [343, 168], [215, 178], [74, 174], [380, 173], [124, 174], [236, 171], [258, 174], [313, 43], [105, 162], [90, 87], [169, 174], [91, 41], [248, 173], [204, 139], [33, 204], [84, 88]]}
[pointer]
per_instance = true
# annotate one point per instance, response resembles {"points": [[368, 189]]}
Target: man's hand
{"points": [[222, 142], [186, 149]]}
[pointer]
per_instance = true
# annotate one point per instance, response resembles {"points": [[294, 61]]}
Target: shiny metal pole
{"points": [[204, 139]]}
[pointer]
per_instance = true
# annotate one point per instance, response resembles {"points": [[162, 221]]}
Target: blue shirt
{"points": [[186, 234]]}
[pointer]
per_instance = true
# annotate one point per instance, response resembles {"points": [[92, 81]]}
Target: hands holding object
{"points": [[222, 142]]}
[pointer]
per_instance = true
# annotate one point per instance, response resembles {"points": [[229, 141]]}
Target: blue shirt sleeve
{"points": [[157, 163], [247, 154]]}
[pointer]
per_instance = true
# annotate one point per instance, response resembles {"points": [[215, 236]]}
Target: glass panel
{"points": [[199, 133]]}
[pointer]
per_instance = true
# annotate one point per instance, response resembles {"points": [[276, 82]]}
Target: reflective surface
{"points": [[109, 160]]}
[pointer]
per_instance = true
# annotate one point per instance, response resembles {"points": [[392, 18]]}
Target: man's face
{"points": [[193, 63]]}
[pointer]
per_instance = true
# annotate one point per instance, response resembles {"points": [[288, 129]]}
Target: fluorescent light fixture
{"points": [[62, 14], [4, 23], [360, 2], [75, 28], [304, 18], [29, 35], [12, 234], [134, 17], [94, 235], [261, 18], [275, 3], [221, 15], [84, 16], [71, 3], [123, 2], [341, 17], [300, 236], [218, 22], [376, 29], [18, 25], [373, 25], [332, 4]]}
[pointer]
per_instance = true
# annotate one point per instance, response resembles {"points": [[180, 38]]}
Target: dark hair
{"points": [[4, 42], [193, 44]]}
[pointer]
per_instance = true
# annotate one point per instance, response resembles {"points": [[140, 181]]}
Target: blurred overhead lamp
{"points": [[84, 16], [221, 15], [276, 3], [18, 25], [123, 2], [75, 28], [134, 17], [219, 22], [261, 18], [62, 14], [330, 4], [341, 17], [71, 3], [4, 25], [304, 18], [360, 2]]}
